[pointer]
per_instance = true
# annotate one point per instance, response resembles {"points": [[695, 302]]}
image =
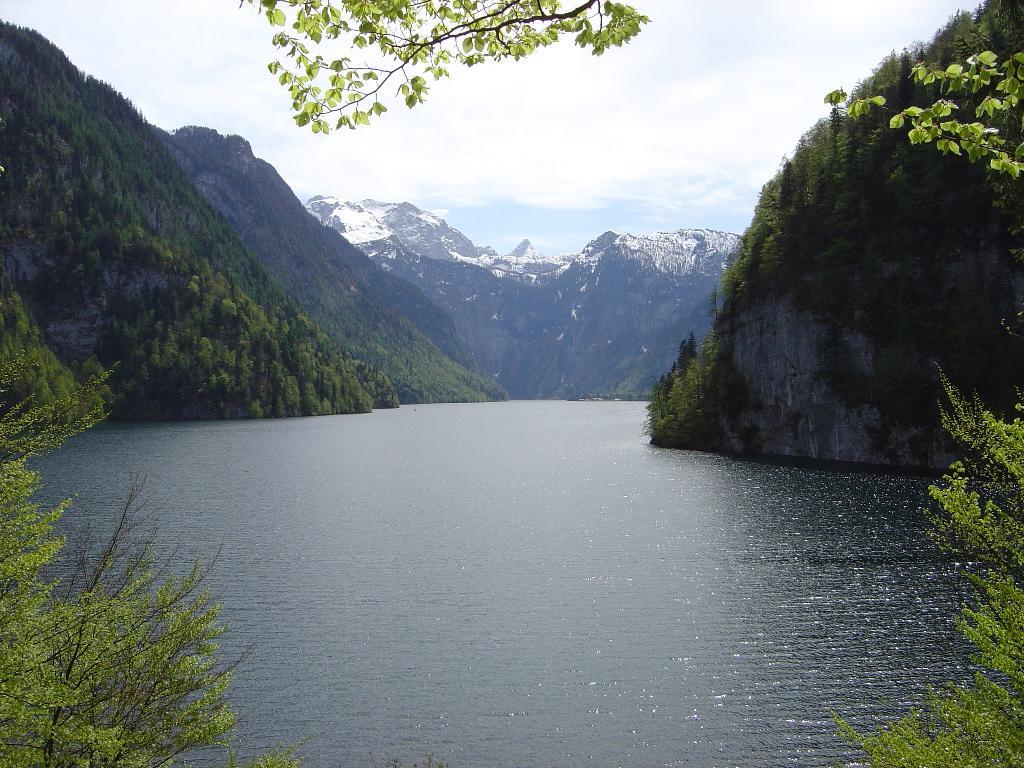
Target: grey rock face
{"points": [[779, 350]]}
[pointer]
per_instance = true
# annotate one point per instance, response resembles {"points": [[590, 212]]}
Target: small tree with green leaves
{"points": [[115, 664], [981, 519], [981, 498]]}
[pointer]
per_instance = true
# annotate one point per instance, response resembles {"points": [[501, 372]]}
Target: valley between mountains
{"points": [[187, 267], [606, 320]]}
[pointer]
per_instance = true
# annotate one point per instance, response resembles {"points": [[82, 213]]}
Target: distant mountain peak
{"points": [[679, 252], [382, 228], [375, 225], [522, 249]]}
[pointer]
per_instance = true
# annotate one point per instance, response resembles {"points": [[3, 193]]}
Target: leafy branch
{"points": [[995, 89], [417, 40]]}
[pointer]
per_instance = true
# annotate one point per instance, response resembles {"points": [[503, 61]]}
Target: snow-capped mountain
{"points": [[373, 224], [606, 319], [379, 227], [679, 253], [387, 230]]}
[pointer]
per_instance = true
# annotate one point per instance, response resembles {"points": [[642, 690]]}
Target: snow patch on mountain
{"points": [[358, 223], [381, 228], [377, 227], [677, 253]]}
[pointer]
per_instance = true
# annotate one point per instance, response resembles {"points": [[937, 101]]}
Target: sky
{"points": [[680, 128]]}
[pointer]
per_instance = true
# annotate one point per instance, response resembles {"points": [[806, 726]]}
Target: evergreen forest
{"points": [[113, 260], [902, 256]]}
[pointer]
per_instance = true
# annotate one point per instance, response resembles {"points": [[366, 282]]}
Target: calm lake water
{"points": [[531, 584]]}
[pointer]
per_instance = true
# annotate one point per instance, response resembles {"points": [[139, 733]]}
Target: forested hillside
{"points": [[379, 317], [111, 259], [871, 268]]}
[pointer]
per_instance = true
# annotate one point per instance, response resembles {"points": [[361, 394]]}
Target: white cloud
{"points": [[694, 115]]}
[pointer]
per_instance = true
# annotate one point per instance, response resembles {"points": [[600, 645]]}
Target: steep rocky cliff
{"points": [[792, 409]]}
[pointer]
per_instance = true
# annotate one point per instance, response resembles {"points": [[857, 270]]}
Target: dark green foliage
{"points": [[676, 413], [687, 353], [123, 265], [685, 401], [870, 235]]}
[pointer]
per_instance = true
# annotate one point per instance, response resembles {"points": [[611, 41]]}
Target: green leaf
{"points": [[835, 97]]}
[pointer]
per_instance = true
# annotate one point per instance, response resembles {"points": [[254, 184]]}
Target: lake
{"points": [[531, 584]]}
